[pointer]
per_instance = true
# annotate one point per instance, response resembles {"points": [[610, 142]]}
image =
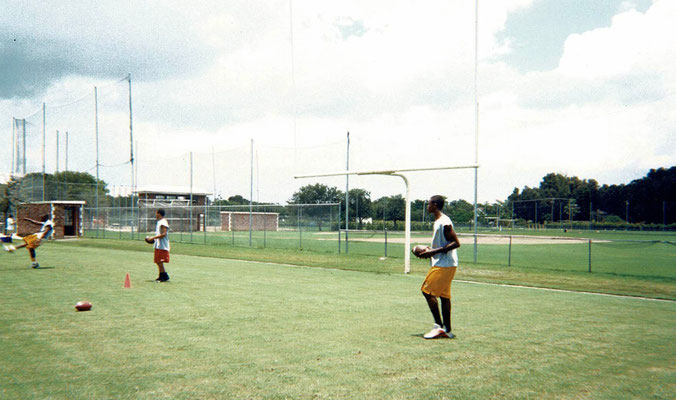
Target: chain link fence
{"points": [[318, 228]]}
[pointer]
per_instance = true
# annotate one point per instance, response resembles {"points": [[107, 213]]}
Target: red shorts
{"points": [[161, 256]]}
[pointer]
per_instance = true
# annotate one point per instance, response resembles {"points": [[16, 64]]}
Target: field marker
{"points": [[565, 290], [458, 280]]}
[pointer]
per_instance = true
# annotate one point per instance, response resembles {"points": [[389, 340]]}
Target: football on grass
{"points": [[83, 306], [149, 240], [419, 249]]}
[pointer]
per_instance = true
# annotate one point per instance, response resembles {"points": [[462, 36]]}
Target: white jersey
{"points": [[162, 243], [450, 258], [43, 234]]}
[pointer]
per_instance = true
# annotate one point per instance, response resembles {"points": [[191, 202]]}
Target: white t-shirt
{"points": [[450, 258], [43, 234], [162, 243]]}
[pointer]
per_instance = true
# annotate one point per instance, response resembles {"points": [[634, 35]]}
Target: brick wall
{"points": [[37, 211], [239, 221], [32, 211]]}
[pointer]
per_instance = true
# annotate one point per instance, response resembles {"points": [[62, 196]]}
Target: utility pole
{"points": [[131, 155], [476, 125], [627, 212], [57, 151], [96, 127], [251, 197], [44, 147], [66, 166], [347, 190]]}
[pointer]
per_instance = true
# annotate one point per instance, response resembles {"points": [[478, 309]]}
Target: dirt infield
{"points": [[483, 239]]}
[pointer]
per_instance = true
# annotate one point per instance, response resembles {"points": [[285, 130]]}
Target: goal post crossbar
{"points": [[399, 173], [383, 172]]}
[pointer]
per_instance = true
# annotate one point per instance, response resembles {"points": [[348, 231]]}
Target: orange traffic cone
{"points": [[127, 282]]}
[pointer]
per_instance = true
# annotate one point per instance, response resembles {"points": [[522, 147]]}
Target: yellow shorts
{"points": [[32, 241], [438, 281]]}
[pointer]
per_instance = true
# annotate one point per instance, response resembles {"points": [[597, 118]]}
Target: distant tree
{"points": [[66, 185], [460, 211], [393, 207], [317, 194], [419, 210], [237, 200], [360, 205]]}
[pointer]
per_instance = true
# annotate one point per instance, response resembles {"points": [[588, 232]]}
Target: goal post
{"points": [[399, 173]]}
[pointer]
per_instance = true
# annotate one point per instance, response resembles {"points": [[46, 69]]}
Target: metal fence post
{"points": [[300, 228], [265, 226], [138, 222], [385, 241], [339, 212], [385, 231], [509, 259], [590, 255]]}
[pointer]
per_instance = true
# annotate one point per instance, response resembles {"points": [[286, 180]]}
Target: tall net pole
{"points": [[251, 197], [347, 191], [191, 187], [14, 145], [131, 156], [44, 147], [66, 166], [96, 133], [293, 89], [57, 152], [24, 148], [476, 124]]}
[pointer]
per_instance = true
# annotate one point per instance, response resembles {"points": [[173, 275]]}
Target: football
{"points": [[83, 306], [149, 240], [419, 249]]}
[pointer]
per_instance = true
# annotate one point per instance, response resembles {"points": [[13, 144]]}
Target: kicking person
{"points": [[443, 264], [161, 244], [33, 241]]}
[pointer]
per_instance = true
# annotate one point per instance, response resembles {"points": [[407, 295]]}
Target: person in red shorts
{"points": [[161, 244]]}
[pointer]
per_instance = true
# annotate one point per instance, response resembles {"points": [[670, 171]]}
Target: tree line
{"points": [[648, 200], [557, 199]]}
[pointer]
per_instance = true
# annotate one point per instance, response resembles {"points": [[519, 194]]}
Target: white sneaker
{"points": [[9, 248], [436, 333]]}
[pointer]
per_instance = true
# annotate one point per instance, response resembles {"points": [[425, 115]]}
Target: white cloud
{"points": [[634, 43], [402, 85]]}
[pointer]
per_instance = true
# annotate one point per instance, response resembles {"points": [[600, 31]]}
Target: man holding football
{"points": [[443, 264], [161, 244]]}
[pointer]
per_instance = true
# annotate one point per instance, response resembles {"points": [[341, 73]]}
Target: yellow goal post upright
{"points": [[400, 173]]}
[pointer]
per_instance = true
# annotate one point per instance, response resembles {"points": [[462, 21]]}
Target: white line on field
{"points": [[620, 296]]}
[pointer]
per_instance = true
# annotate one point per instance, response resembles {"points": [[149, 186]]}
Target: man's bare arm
{"points": [[453, 243]]}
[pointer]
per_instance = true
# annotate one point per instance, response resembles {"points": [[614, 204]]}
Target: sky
{"points": [[581, 88]]}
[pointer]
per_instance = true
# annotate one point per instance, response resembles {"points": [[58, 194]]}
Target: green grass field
{"points": [[228, 328], [631, 254]]}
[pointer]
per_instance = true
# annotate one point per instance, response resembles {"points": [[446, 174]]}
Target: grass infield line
{"points": [[455, 280], [567, 291]]}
